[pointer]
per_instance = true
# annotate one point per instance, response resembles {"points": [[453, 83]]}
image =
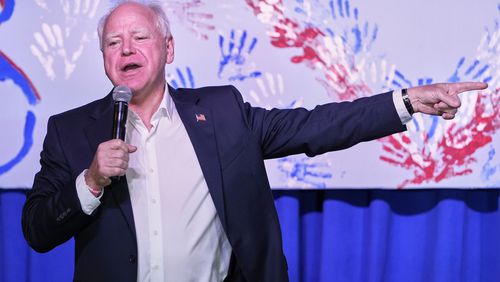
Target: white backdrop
{"points": [[278, 54]]}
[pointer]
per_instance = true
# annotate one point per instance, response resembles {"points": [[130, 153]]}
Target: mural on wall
{"points": [[286, 54], [11, 72]]}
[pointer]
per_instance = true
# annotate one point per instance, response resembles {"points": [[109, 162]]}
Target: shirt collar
{"points": [[165, 109], [167, 105]]}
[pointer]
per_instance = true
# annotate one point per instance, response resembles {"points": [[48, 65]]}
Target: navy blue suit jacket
{"points": [[230, 145]]}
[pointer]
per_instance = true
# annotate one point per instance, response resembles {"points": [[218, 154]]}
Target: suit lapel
{"points": [[100, 131], [198, 122]]}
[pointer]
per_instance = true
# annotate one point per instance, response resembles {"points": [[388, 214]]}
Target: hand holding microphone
{"points": [[111, 158]]}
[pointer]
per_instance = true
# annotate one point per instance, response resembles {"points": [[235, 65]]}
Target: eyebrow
{"points": [[140, 30], [111, 35], [134, 31]]}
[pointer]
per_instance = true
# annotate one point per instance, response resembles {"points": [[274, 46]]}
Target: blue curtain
{"points": [[334, 235]]}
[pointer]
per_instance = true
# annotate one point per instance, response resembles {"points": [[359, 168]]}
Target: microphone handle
{"points": [[119, 124], [119, 120]]}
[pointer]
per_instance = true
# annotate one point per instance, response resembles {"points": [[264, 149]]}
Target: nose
{"points": [[128, 48]]}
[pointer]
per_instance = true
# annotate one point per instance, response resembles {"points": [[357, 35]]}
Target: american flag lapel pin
{"points": [[200, 117]]}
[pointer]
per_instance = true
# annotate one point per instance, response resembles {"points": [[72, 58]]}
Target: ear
{"points": [[170, 50]]}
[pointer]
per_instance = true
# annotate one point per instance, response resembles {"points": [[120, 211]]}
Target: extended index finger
{"points": [[460, 87]]}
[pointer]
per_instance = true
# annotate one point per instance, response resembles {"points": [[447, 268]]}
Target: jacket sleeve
{"points": [[52, 213], [325, 128]]}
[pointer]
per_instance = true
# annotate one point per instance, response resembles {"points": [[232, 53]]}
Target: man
{"points": [[195, 202]]}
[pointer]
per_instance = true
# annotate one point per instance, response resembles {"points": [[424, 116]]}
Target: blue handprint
{"points": [[399, 80], [343, 9], [393, 78], [489, 170], [475, 71], [312, 11], [180, 80], [305, 171], [345, 22], [236, 57], [359, 36]]}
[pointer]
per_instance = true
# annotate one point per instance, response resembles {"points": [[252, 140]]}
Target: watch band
{"points": [[406, 101]]}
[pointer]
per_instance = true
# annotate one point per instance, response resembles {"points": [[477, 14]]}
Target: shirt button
{"points": [[151, 170], [153, 201], [155, 267], [155, 233]]}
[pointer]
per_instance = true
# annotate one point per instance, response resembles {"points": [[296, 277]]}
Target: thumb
{"points": [[131, 148]]}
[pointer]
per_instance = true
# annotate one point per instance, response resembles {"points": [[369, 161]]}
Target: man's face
{"points": [[135, 52]]}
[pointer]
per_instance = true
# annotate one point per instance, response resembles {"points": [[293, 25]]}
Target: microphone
{"points": [[121, 95]]}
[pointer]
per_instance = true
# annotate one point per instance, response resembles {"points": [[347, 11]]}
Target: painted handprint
{"points": [[235, 53], [73, 10], [379, 73], [437, 151], [330, 55], [49, 45], [338, 47], [339, 19], [304, 172], [311, 12], [196, 22], [78, 11], [490, 169], [65, 42], [357, 34], [298, 171], [270, 93], [180, 79], [434, 150], [473, 71], [444, 150]]}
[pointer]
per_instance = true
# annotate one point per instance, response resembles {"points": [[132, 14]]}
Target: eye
{"points": [[141, 37], [113, 43]]}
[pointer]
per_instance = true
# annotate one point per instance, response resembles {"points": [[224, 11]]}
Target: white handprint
{"points": [[50, 45], [64, 41], [271, 90], [45, 49], [76, 11]]}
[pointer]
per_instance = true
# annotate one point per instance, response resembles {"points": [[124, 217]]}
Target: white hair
{"points": [[157, 8]]}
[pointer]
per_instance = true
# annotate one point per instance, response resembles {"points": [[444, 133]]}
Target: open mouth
{"points": [[131, 66]]}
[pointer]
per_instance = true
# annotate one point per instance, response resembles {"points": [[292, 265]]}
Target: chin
{"points": [[130, 84]]}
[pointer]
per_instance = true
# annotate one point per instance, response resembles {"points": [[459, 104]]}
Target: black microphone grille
{"points": [[122, 93]]}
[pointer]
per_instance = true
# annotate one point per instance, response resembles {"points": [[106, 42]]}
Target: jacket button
{"points": [[132, 258]]}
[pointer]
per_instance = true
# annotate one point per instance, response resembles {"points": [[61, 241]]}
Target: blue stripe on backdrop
{"points": [[336, 235]]}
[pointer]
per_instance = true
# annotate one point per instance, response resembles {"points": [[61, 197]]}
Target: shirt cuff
{"points": [[88, 201], [397, 98]]}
